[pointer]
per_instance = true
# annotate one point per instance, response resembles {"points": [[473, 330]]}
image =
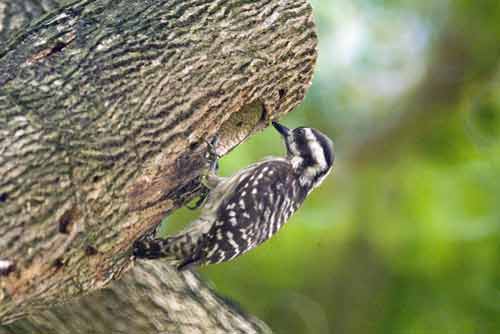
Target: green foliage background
{"points": [[404, 236]]}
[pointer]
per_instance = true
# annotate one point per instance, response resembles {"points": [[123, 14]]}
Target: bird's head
{"points": [[310, 152]]}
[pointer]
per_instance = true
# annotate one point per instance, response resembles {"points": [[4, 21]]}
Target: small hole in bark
{"points": [[96, 178], [58, 46], [192, 146], [263, 113], [58, 263], [7, 267], [239, 124], [281, 93], [3, 197], [64, 222], [90, 250]]}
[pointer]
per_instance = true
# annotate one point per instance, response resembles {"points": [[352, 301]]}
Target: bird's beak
{"points": [[283, 130]]}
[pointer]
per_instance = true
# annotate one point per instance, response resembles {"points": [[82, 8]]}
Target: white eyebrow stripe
{"points": [[317, 151]]}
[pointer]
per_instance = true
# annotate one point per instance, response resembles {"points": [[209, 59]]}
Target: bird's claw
{"points": [[212, 156]]}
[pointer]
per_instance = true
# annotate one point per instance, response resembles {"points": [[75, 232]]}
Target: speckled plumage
{"points": [[248, 208]]}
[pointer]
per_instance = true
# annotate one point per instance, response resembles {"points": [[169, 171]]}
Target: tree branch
{"points": [[150, 298]]}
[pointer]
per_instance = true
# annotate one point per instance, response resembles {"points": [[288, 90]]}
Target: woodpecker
{"points": [[248, 208]]}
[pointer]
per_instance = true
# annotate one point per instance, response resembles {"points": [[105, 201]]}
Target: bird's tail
{"points": [[177, 247], [152, 248]]}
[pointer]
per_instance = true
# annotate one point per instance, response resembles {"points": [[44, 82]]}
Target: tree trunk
{"points": [[105, 109]]}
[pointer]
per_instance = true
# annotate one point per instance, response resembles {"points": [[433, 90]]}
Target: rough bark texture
{"points": [[151, 298], [105, 107], [17, 13]]}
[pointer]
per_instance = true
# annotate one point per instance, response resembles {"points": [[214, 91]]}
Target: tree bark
{"points": [[18, 13], [105, 109], [150, 298]]}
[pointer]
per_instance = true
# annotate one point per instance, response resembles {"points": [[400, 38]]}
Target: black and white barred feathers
{"points": [[246, 209]]}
